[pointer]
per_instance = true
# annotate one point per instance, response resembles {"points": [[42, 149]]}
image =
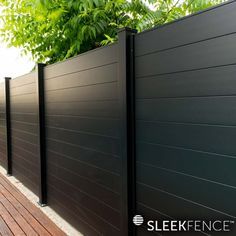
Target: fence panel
{"points": [[24, 130], [3, 137], [185, 118], [83, 141]]}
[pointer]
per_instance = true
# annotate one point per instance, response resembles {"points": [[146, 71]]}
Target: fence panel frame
{"points": [[42, 129], [8, 125], [126, 89]]}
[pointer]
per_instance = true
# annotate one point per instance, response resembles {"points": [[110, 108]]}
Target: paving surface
{"points": [[18, 216]]}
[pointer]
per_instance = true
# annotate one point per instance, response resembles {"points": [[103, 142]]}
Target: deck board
{"points": [[18, 216], [4, 230]]}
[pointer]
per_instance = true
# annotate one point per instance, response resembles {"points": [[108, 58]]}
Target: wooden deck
{"points": [[18, 216]]}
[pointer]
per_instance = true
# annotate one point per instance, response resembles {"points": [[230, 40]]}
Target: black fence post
{"points": [[127, 92], [42, 142], [8, 125]]}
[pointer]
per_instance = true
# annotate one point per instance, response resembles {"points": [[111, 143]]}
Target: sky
{"points": [[12, 63]]}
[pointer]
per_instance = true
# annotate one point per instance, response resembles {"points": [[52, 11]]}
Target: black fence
{"points": [[145, 126], [83, 140], [185, 117], [24, 130], [3, 131]]}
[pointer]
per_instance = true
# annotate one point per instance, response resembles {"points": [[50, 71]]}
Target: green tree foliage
{"points": [[53, 30]]}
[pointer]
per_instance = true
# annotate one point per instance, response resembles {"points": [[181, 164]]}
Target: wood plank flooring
{"points": [[18, 216]]}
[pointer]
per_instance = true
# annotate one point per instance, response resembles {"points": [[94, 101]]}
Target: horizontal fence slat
{"points": [[86, 155], [24, 89], [24, 107], [30, 148], [181, 185], [18, 173], [207, 110], [57, 200], [94, 173], [94, 142], [89, 125], [25, 127], [215, 139], [99, 109], [24, 117], [86, 61], [91, 93], [67, 183], [215, 52], [103, 194], [174, 206], [23, 80], [24, 98], [216, 81], [209, 166], [211, 23], [104, 74]]}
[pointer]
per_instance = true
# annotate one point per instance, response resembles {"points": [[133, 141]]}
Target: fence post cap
{"points": [[126, 29]]}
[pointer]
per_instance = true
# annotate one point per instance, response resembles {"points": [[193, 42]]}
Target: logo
{"points": [[138, 220], [185, 225], [190, 225]]}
